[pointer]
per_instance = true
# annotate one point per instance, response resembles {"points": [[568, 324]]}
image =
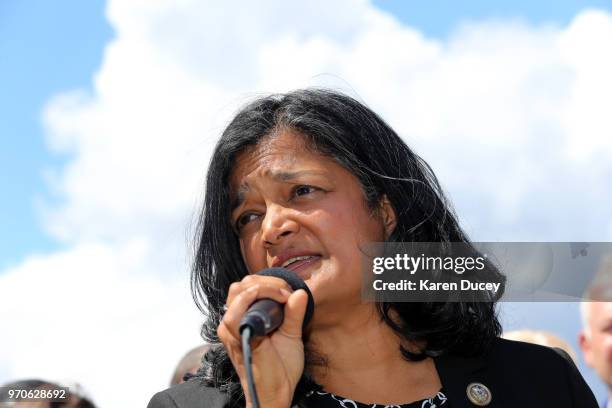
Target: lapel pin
{"points": [[479, 394]]}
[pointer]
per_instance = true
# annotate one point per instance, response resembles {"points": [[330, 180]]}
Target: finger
{"points": [[239, 306], [295, 309], [234, 290], [250, 280]]}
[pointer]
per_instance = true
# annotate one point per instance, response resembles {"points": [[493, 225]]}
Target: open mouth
{"points": [[300, 263]]}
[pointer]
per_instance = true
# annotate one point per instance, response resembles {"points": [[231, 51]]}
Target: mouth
{"points": [[301, 264]]}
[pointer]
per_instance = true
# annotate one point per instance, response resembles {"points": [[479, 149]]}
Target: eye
{"points": [[303, 190], [244, 219]]}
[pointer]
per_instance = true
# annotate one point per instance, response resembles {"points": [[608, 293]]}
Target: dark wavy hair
{"points": [[345, 130]]}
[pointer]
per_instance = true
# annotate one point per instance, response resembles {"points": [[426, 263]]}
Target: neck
{"points": [[360, 333], [363, 360]]}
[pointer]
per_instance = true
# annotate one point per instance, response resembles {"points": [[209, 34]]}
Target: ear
{"points": [[388, 216], [585, 345]]}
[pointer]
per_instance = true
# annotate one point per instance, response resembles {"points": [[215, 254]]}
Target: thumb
{"points": [[295, 308]]}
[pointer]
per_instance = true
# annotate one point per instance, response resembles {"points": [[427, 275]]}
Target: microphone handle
{"points": [[263, 317]]}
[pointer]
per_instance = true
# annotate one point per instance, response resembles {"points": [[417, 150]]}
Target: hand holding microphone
{"points": [[277, 358]]}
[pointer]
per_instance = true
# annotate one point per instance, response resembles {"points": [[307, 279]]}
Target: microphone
{"points": [[266, 315]]}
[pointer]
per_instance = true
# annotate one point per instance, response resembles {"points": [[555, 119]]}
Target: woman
{"points": [[304, 180]]}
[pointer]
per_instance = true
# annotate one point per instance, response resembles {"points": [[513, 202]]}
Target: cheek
{"points": [[254, 258], [607, 347], [601, 348], [345, 230], [348, 218]]}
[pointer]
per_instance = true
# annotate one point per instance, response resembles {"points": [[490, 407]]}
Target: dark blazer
{"points": [[518, 375]]}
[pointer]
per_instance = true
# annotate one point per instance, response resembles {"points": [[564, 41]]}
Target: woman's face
{"points": [[298, 209]]}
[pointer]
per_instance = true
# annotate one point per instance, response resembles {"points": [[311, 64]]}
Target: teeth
{"points": [[295, 259]]}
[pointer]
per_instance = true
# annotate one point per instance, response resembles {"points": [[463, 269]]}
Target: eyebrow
{"points": [[282, 176]]}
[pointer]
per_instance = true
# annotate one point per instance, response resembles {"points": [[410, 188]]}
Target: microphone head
{"points": [[296, 283]]}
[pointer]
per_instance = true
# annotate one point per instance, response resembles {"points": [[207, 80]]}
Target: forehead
{"points": [[278, 156], [600, 312]]}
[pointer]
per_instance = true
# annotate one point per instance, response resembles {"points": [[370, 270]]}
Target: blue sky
{"points": [[45, 48], [438, 18]]}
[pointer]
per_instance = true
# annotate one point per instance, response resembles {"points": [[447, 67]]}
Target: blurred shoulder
{"points": [[189, 394], [547, 370], [531, 354], [517, 374]]}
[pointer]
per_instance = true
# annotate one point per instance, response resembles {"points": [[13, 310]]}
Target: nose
{"points": [[277, 223]]}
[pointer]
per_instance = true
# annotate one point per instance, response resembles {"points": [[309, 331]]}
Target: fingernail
{"points": [[285, 292], [251, 289]]}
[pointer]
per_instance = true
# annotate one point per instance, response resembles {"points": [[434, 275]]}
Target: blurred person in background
{"points": [[595, 337], [189, 364], [596, 341], [74, 397]]}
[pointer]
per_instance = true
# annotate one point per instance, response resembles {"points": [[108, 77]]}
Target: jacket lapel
{"points": [[457, 372]]}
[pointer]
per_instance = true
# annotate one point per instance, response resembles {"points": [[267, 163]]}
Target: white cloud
{"points": [[511, 117], [100, 315]]}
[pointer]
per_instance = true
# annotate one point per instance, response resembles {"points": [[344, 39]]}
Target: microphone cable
{"points": [[246, 351]]}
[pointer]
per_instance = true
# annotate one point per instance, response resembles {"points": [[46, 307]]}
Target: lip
{"points": [[301, 267], [283, 256]]}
